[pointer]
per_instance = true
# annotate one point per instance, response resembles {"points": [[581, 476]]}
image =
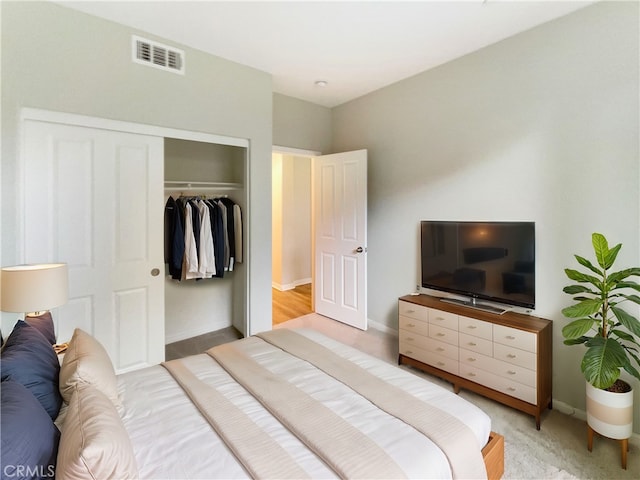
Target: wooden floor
{"points": [[290, 304]]}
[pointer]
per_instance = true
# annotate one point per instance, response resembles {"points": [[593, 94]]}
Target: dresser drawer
{"points": [[443, 334], [474, 327], [430, 358], [515, 356], [442, 348], [512, 372], [411, 310], [504, 385], [410, 349], [413, 325], [518, 390], [413, 338], [443, 319], [443, 363], [475, 344], [515, 338]]}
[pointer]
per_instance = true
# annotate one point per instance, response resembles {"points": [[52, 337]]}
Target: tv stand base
{"points": [[473, 304]]}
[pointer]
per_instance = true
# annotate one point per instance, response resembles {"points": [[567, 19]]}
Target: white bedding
{"points": [[171, 439]]}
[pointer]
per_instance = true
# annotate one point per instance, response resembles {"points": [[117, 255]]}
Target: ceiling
{"points": [[356, 47]]}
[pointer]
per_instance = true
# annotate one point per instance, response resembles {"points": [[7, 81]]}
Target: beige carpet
{"points": [[557, 451]]}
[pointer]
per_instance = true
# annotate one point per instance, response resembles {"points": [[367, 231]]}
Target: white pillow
{"points": [[94, 443], [87, 362]]}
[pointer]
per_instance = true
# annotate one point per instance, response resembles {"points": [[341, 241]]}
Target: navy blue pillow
{"points": [[44, 324], [28, 435], [29, 359]]}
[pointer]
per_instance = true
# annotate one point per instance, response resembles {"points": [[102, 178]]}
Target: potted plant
{"points": [[610, 333]]}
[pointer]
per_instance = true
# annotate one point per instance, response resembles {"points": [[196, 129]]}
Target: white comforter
{"points": [[171, 439]]}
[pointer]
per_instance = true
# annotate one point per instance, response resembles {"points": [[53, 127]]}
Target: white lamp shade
{"points": [[33, 288]]}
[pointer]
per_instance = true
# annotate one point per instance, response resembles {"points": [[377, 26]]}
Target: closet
{"points": [[208, 171], [92, 193]]}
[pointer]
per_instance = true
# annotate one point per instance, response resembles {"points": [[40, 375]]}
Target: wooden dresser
{"points": [[503, 357]]}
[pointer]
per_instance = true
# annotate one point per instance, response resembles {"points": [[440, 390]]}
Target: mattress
{"points": [[171, 438]]}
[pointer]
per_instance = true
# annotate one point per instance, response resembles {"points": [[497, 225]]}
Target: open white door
{"points": [[339, 219], [93, 199]]}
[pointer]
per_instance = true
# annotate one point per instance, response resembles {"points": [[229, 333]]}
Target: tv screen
{"points": [[481, 260]]}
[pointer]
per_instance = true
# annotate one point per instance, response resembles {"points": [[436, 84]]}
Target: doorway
{"points": [[291, 235]]}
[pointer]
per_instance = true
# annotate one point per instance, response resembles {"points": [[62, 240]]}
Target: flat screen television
{"points": [[492, 261]]}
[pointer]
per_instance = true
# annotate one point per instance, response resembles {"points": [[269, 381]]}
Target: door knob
{"points": [[360, 250], [155, 272]]}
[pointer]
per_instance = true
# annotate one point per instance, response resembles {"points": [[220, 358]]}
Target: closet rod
{"points": [[175, 185]]}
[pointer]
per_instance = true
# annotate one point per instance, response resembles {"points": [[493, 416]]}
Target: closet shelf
{"points": [[186, 186]]}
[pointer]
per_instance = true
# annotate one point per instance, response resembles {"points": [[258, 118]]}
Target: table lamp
{"points": [[34, 288]]}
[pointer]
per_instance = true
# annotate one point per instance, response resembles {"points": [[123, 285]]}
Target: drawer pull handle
{"points": [[511, 355], [441, 364], [410, 339], [511, 372], [472, 374], [471, 327], [511, 389], [473, 344], [411, 311], [471, 359], [409, 352], [440, 349], [510, 337], [411, 325], [440, 334]]}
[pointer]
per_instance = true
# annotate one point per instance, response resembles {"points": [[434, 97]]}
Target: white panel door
{"points": [[93, 198], [340, 237]]}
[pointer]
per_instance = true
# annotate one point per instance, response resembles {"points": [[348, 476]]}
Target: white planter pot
{"points": [[609, 413]]}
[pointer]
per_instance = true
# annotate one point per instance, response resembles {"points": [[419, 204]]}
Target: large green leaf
{"points": [[632, 298], [629, 321], [605, 256], [622, 274], [583, 309], [601, 248], [583, 277], [623, 335], [577, 328], [602, 361], [573, 289], [630, 369], [586, 263], [632, 285]]}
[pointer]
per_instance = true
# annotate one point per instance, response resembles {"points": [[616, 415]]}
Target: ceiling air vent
{"points": [[157, 55]]}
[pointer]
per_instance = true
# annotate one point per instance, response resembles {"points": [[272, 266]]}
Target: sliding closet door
{"points": [[94, 198]]}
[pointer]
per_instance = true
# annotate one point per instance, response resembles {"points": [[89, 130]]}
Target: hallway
{"points": [[290, 304]]}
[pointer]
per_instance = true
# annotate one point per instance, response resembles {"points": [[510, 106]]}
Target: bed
{"points": [[290, 403]]}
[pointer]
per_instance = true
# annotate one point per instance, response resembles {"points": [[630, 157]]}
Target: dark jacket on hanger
{"points": [[173, 237]]}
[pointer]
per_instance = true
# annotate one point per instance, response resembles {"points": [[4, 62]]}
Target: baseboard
{"points": [[292, 285], [383, 328]]}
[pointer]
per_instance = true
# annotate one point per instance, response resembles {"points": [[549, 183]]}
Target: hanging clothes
{"points": [[190, 262], [206, 257], [203, 237], [174, 238], [237, 216], [217, 226]]}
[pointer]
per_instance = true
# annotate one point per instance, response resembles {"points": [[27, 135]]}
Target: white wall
{"points": [[542, 126]]}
